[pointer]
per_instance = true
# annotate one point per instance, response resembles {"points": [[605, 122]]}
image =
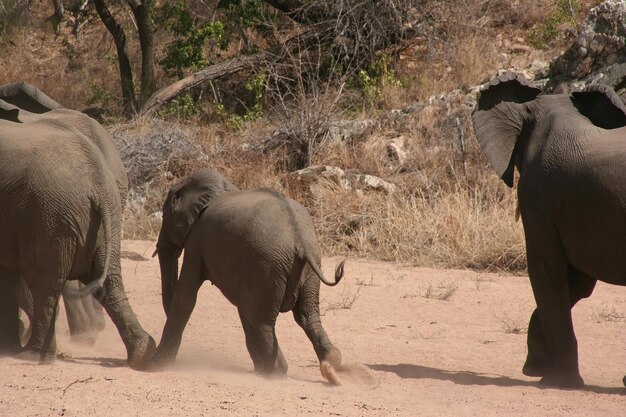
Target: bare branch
{"points": [[213, 72]]}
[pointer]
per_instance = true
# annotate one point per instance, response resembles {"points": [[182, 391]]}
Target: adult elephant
{"points": [[259, 248], [61, 211], [570, 151], [24, 103]]}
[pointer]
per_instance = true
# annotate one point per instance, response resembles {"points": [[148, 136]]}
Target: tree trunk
{"points": [[126, 73], [142, 10], [58, 9]]}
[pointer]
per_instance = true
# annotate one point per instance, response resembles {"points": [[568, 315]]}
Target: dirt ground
{"points": [[419, 356]]}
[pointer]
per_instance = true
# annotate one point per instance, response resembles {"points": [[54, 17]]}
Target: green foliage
{"points": [[248, 12], [564, 14], [256, 86], [100, 96], [183, 107], [378, 76], [187, 49]]}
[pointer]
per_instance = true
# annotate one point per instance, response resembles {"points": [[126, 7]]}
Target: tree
{"points": [[119, 38], [142, 10], [345, 35]]}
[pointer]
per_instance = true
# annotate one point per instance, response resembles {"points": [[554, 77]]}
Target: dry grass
{"points": [[443, 291], [512, 323], [349, 296], [609, 313]]}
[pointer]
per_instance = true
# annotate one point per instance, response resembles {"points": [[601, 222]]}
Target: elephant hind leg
{"points": [[9, 313], [263, 347], [538, 361], [140, 346], [548, 271], [306, 314], [46, 292]]}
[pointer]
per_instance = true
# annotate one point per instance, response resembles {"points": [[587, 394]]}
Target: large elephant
{"points": [[84, 313], [570, 151], [60, 212], [259, 248]]}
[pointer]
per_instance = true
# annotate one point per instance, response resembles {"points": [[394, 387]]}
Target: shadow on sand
{"points": [[104, 362], [404, 370]]}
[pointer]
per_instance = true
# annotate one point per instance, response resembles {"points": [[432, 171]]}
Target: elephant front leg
{"points": [[538, 361], [549, 279], [183, 303], [77, 318], [139, 344]]}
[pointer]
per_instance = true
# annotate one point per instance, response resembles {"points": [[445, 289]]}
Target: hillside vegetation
{"points": [[375, 93]]}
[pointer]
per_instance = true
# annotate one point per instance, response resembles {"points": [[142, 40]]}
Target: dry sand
{"points": [[460, 357]]}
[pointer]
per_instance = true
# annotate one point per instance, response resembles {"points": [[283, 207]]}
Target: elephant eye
{"points": [[173, 202]]}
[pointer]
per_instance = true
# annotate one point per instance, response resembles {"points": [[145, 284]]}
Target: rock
{"points": [[310, 179], [599, 47], [396, 155], [366, 182], [315, 173], [342, 131]]}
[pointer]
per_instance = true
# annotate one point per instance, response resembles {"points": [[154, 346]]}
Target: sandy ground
{"points": [[456, 357]]}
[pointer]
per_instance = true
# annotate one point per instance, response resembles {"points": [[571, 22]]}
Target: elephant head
{"points": [[509, 107], [183, 205]]}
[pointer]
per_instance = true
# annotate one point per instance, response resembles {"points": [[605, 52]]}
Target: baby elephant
{"points": [[259, 248]]}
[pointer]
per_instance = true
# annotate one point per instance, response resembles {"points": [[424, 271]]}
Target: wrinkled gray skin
{"points": [[84, 314], [570, 151], [61, 211], [259, 248]]}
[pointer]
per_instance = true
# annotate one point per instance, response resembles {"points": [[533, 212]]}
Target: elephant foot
{"points": [[330, 365], [10, 347], [276, 368], [571, 379], [535, 366], [161, 359], [140, 356], [98, 325], [624, 380], [31, 355]]}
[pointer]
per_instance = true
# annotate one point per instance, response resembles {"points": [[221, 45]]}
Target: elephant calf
{"points": [[259, 248]]}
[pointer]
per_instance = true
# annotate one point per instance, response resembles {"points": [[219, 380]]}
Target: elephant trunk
{"points": [[168, 261]]}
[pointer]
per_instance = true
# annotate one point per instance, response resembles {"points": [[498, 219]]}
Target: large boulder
{"points": [[597, 55]]}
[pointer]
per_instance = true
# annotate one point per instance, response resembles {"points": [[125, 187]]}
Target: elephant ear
{"points": [[601, 105], [498, 120], [27, 97], [186, 201]]}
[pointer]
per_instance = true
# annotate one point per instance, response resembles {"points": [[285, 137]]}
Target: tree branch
{"points": [[213, 72]]}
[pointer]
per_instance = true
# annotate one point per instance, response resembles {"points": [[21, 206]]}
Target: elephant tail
{"points": [[318, 272], [97, 284]]}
